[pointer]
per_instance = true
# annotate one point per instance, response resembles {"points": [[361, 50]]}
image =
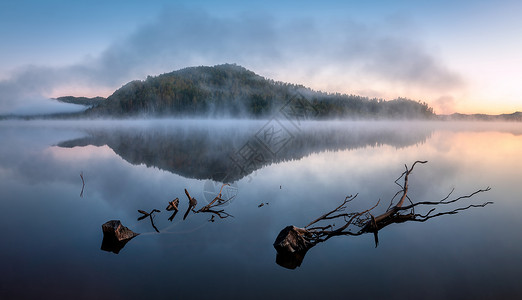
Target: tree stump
{"points": [[292, 239], [115, 236]]}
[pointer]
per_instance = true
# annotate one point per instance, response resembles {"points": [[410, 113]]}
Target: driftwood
{"points": [[173, 206], [150, 215], [192, 204], [292, 243], [217, 202], [115, 236], [211, 207]]}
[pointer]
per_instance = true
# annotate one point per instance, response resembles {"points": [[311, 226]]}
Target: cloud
{"points": [[445, 105], [337, 51]]}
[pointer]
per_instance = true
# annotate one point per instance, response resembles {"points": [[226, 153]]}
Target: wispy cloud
{"points": [[306, 47]]}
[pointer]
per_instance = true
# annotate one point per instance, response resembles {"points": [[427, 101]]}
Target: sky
{"points": [[457, 56]]}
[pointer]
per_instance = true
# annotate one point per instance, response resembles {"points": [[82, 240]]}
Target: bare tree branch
{"points": [[173, 206], [210, 207], [192, 204], [341, 207], [445, 201], [423, 218], [150, 215]]}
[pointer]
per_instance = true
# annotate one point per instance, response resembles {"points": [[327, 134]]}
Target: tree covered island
{"points": [[232, 91]]}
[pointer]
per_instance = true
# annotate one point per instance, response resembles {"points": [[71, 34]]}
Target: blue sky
{"points": [[457, 56]]}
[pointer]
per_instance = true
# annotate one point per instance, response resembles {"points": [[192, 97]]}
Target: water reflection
{"points": [[227, 152], [40, 182], [111, 244], [83, 184]]}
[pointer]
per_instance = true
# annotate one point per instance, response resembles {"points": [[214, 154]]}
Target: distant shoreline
{"points": [[80, 116]]}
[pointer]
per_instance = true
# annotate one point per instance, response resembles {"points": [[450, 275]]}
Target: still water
{"points": [[52, 237]]}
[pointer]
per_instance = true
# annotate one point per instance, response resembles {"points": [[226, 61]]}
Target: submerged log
{"points": [[115, 236]]}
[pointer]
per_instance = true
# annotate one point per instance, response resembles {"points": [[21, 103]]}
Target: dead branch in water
{"points": [[83, 184], [192, 204], [358, 223], [173, 206], [146, 214], [211, 207], [217, 202]]}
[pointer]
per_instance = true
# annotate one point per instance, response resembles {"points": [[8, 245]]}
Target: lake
{"points": [[278, 174]]}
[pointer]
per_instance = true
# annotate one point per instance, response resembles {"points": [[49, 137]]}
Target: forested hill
{"points": [[81, 100], [233, 91]]}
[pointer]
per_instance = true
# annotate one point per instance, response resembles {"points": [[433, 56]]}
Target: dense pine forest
{"points": [[232, 91]]}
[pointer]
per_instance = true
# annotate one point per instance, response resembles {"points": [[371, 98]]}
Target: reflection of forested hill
{"points": [[230, 152]]}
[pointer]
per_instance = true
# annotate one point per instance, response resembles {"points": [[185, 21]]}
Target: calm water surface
{"points": [[51, 242]]}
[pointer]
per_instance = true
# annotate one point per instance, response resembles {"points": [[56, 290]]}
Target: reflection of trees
{"points": [[210, 153], [292, 243]]}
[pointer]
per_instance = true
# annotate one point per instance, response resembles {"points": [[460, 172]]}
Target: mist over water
{"points": [[210, 149], [38, 106], [51, 232]]}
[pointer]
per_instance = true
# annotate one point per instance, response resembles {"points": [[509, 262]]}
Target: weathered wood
{"points": [[173, 206], [117, 230], [291, 245], [115, 236], [192, 204], [292, 239], [218, 201], [150, 215], [404, 191]]}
